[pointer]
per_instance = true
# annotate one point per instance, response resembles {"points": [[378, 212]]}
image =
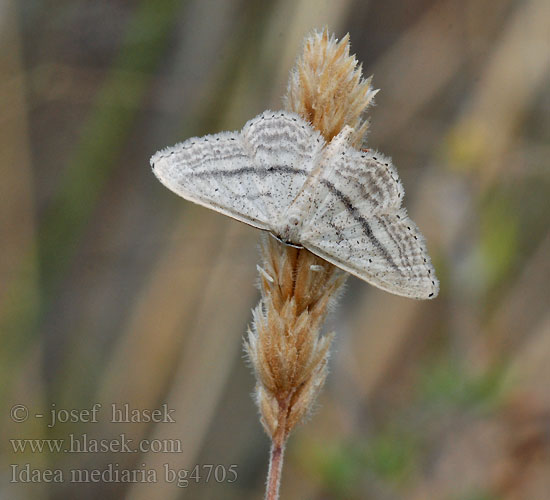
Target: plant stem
{"points": [[275, 469], [277, 454]]}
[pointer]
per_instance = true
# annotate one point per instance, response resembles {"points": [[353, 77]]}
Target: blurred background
{"points": [[115, 291]]}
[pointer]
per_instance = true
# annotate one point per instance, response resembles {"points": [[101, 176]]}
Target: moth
{"points": [[278, 174]]}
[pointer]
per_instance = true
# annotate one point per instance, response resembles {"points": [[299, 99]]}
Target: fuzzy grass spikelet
{"points": [[285, 345], [327, 88], [288, 353]]}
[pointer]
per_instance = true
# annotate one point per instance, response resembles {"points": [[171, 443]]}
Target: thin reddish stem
{"points": [[277, 453], [275, 470]]}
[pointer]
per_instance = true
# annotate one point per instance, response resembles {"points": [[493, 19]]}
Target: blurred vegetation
{"points": [[114, 291]]}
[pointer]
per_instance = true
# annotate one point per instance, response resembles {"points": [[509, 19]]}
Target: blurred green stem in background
{"points": [[94, 158], [104, 135]]}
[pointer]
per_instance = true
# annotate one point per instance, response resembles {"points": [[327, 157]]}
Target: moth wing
{"points": [[285, 149], [356, 222], [251, 175]]}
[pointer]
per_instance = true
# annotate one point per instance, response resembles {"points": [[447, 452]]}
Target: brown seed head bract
{"points": [[285, 346], [288, 353], [327, 87]]}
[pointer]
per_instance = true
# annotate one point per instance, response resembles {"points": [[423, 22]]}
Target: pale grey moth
{"points": [[278, 174]]}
